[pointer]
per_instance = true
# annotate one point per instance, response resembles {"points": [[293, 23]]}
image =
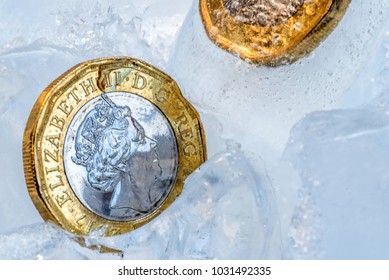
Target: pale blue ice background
{"points": [[298, 155]]}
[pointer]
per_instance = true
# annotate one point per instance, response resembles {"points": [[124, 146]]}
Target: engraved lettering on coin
{"points": [[262, 12], [120, 156]]}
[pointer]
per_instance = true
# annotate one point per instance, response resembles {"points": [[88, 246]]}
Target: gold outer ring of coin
{"points": [[51, 118], [273, 45]]}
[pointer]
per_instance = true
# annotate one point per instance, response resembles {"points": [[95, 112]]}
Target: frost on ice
{"points": [[342, 158]]}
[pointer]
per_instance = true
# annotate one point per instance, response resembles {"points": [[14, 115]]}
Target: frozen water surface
{"points": [[341, 156], [297, 154]]}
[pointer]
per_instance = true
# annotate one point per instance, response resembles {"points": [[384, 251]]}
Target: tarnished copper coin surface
{"points": [[109, 144], [270, 32]]}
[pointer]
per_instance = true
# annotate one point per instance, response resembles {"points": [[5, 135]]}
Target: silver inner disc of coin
{"points": [[120, 156], [262, 12]]}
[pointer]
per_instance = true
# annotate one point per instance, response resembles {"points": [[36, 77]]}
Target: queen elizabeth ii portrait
{"points": [[121, 162]]}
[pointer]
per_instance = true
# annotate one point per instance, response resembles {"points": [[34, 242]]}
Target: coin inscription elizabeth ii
{"points": [[109, 144]]}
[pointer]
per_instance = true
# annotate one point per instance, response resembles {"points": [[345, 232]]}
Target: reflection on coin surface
{"points": [[109, 144], [270, 32]]}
